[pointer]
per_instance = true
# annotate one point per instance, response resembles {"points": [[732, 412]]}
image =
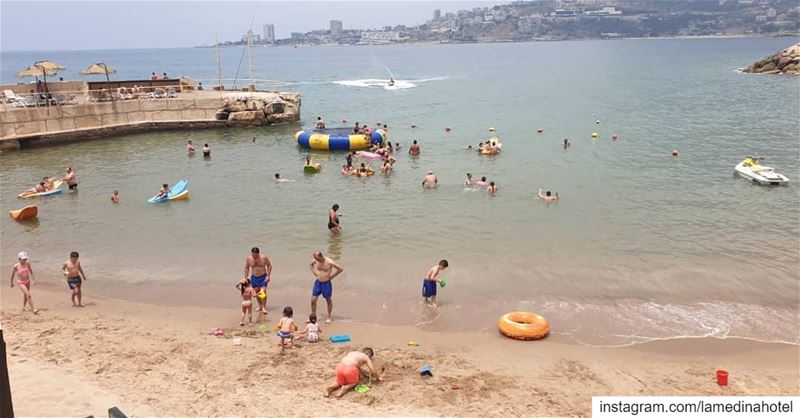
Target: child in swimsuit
{"points": [[75, 276], [431, 280], [25, 279], [246, 289], [312, 332], [286, 328]]}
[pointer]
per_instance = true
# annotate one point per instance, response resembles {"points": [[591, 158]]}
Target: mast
{"points": [[219, 65], [250, 56]]}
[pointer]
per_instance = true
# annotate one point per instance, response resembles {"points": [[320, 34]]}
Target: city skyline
{"points": [[126, 25]]}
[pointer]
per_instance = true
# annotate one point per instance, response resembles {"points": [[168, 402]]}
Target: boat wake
{"points": [[384, 83]]}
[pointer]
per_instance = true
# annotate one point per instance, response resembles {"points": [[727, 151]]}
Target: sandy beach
{"points": [[153, 360]]}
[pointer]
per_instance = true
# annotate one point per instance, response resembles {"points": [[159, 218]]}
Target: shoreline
{"points": [[126, 353]]}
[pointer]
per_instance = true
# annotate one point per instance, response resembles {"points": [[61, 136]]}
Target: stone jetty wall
{"points": [[783, 62], [36, 126]]}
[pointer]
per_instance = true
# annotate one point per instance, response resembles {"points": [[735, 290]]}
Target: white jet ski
{"points": [[750, 168]]}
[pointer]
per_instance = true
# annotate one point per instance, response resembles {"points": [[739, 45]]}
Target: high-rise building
{"points": [[437, 14], [269, 33], [336, 27]]}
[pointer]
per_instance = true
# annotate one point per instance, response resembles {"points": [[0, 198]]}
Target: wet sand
{"points": [[161, 360]]}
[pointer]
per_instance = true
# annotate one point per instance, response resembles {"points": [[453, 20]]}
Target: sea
{"points": [[642, 245]]}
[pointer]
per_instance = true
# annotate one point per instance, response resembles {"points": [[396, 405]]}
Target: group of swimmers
{"points": [[23, 272], [190, 149], [490, 186], [49, 183]]}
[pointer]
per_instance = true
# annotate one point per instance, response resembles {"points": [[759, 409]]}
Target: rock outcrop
{"points": [[784, 62], [261, 109]]}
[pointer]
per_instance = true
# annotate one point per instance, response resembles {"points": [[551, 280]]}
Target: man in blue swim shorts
{"points": [[431, 280], [324, 270], [259, 268]]}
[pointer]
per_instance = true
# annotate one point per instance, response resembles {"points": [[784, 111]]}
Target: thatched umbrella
{"points": [[41, 68], [99, 68]]}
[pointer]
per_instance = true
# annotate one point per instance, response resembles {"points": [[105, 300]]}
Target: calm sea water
{"points": [[642, 245]]}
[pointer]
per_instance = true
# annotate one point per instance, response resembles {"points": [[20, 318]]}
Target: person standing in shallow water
{"points": [[333, 219], [324, 270]]}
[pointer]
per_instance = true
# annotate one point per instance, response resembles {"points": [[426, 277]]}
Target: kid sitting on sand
{"points": [[430, 281], [312, 332], [286, 327], [246, 288]]}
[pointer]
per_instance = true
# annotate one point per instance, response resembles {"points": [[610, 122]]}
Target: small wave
{"points": [[375, 82]]}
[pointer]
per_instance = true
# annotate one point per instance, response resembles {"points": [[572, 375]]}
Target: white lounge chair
{"points": [[10, 97], [172, 93]]}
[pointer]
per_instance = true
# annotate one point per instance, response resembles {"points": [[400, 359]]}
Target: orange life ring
{"points": [[523, 325]]}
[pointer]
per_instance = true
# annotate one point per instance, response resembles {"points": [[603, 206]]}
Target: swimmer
{"points": [[189, 147], [547, 196], [70, 179], [492, 188], [49, 182], [254, 139], [356, 129], [469, 182], [414, 150], [387, 166], [363, 170], [310, 163], [278, 178], [206, 150], [385, 128], [320, 123], [115, 197], [350, 159], [430, 181], [397, 146], [347, 170], [482, 182], [468, 147], [566, 143], [163, 191], [333, 219]]}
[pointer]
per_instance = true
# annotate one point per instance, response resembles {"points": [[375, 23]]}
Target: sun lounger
{"points": [[10, 97]]}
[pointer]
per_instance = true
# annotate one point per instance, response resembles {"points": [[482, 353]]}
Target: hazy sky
{"points": [[67, 25]]}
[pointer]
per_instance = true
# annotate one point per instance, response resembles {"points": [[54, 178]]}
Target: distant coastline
{"points": [[506, 41]]}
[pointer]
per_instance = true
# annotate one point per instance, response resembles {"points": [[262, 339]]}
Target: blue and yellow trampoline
{"points": [[337, 139]]}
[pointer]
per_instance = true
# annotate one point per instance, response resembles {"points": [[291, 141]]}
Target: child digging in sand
{"points": [[312, 332], [246, 288], [286, 328]]}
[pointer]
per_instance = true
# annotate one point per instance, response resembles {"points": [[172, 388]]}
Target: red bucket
{"points": [[722, 378]]}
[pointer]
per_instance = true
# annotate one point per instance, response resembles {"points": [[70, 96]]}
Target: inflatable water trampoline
{"points": [[337, 139]]}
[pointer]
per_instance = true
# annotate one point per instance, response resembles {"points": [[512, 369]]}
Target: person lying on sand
{"points": [[547, 196], [349, 370]]}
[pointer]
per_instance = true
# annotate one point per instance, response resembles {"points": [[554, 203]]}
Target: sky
{"points": [[32, 25]]}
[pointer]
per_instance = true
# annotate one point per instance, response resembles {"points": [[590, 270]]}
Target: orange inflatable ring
{"points": [[523, 326]]}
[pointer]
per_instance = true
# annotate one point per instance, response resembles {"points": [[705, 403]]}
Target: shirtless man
{"points": [[70, 179], [547, 196], [324, 270], [349, 370], [75, 277], [189, 147], [259, 268], [414, 150], [320, 123], [430, 181], [468, 182]]}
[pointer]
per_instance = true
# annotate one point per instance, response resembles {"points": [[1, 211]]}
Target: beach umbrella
{"points": [[41, 68], [99, 68]]}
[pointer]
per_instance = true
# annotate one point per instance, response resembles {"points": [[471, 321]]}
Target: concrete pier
{"points": [[83, 119]]}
